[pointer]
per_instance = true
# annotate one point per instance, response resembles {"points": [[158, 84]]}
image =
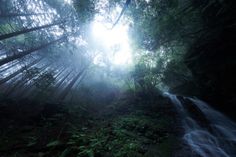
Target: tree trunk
{"points": [[22, 54], [62, 80], [70, 85], [33, 88], [9, 35], [19, 71], [10, 15], [29, 89], [122, 12], [9, 67], [59, 73], [21, 83]]}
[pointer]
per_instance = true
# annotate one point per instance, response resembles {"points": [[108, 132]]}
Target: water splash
{"points": [[218, 141]]}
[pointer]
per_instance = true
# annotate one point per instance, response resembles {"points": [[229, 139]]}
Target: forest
{"points": [[117, 78]]}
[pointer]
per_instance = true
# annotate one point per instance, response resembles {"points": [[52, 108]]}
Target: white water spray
{"points": [[219, 141]]}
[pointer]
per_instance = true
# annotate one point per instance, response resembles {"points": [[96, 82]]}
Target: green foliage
{"points": [[162, 69], [85, 9], [18, 41], [162, 32], [109, 132], [65, 153], [176, 73], [160, 23], [148, 71], [8, 28], [128, 136], [53, 144]]}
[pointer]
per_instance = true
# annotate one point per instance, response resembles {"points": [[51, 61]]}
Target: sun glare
{"points": [[68, 1], [115, 42]]}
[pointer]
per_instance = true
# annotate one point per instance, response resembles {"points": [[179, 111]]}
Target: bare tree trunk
{"points": [[10, 15], [70, 85], [22, 54], [56, 88], [9, 35], [59, 73], [9, 67], [19, 71], [122, 12], [21, 83], [29, 88], [62, 80]]}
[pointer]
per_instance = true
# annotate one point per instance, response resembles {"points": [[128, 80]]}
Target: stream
{"points": [[217, 138]]}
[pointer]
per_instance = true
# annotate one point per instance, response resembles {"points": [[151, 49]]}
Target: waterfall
{"points": [[216, 140]]}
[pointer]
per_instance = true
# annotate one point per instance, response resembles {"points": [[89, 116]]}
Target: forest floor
{"points": [[127, 127]]}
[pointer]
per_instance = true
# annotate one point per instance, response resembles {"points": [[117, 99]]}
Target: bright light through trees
{"points": [[68, 1], [115, 43]]}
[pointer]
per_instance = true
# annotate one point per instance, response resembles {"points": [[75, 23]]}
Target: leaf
{"points": [[91, 153], [71, 142], [31, 144], [65, 152], [87, 152], [53, 143]]}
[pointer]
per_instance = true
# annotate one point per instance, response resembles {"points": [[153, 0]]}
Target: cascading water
{"points": [[216, 140]]}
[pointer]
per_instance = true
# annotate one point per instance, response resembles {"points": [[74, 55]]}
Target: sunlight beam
{"points": [[115, 42]]}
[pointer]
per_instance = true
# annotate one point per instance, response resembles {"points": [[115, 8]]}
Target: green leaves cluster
{"points": [[160, 23], [85, 9], [163, 31], [124, 136]]}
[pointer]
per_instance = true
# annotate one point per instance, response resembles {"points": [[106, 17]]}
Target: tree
{"points": [[9, 35], [71, 84], [19, 71], [27, 52]]}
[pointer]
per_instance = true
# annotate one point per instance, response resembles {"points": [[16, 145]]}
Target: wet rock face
{"points": [[215, 73], [184, 150], [212, 60], [195, 112]]}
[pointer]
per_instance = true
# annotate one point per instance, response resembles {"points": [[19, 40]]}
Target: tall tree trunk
{"points": [[21, 83], [59, 73], [70, 85], [19, 71], [29, 88], [22, 54], [122, 12], [9, 35], [56, 88], [62, 80], [12, 88], [9, 67], [10, 15]]}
